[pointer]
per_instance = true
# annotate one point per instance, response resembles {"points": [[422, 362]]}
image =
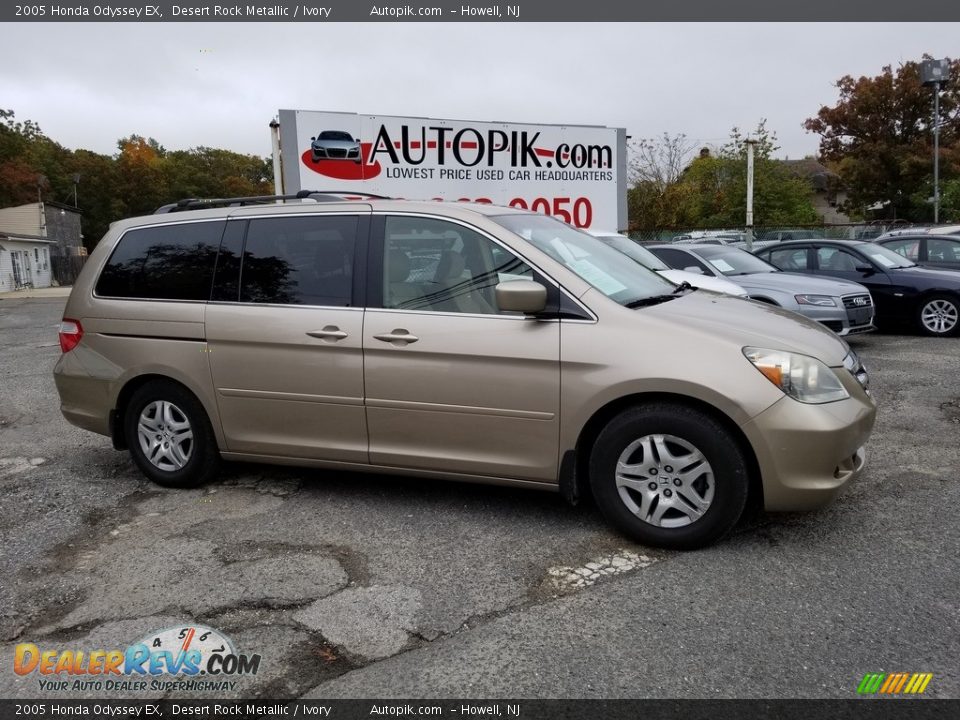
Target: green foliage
{"points": [[142, 176], [712, 191], [879, 138]]}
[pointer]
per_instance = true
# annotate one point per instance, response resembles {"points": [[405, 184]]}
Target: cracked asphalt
{"points": [[353, 585]]}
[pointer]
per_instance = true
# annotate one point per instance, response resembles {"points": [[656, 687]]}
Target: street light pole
{"points": [[748, 235], [936, 153], [932, 74]]}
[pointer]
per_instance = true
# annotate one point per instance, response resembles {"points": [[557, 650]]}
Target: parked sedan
{"points": [[844, 307], [903, 291], [937, 251], [644, 257]]}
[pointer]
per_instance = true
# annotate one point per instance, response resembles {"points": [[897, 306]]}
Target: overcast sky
{"points": [[219, 85]]}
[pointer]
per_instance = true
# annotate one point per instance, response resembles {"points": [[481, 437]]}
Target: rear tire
{"points": [[170, 437], [669, 476], [939, 315]]}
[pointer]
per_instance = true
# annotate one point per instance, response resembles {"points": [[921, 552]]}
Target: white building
{"points": [[25, 247]]}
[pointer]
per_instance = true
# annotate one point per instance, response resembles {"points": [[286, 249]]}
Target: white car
{"points": [[644, 257]]}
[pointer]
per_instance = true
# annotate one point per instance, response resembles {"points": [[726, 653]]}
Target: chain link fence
{"points": [[768, 233]]}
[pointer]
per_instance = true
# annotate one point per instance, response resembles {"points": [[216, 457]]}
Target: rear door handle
{"points": [[330, 332], [398, 337]]}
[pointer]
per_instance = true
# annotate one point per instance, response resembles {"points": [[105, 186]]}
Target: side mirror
{"points": [[525, 296], [865, 269], [312, 139], [693, 269]]}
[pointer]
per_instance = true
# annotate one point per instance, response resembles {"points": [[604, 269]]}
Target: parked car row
{"points": [[844, 307], [904, 292], [900, 279]]}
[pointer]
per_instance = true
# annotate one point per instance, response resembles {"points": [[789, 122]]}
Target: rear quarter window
{"points": [[169, 262]]}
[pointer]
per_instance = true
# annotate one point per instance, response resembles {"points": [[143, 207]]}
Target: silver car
{"points": [[844, 307], [334, 145]]}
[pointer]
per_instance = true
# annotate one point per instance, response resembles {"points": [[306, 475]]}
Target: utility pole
{"points": [[277, 167], [749, 229], [936, 153], [933, 73]]}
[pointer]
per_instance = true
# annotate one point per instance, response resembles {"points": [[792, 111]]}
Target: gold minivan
{"points": [[460, 341]]}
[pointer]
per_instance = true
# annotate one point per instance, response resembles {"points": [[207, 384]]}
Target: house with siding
{"points": [[37, 240]]}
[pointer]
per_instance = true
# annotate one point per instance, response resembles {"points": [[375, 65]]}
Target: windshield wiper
{"points": [[652, 300], [683, 286]]}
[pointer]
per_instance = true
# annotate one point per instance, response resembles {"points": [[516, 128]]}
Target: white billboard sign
{"points": [[574, 172]]}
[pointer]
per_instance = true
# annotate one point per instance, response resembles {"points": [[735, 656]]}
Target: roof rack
{"points": [[316, 195]]}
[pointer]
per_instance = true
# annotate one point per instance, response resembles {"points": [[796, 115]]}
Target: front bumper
{"points": [[808, 453]]}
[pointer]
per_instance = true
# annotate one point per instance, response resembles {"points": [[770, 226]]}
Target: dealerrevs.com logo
{"points": [[196, 657]]}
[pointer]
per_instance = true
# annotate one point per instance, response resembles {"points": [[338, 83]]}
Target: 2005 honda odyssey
{"points": [[469, 342]]}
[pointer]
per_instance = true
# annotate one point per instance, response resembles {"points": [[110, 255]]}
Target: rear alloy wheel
{"points": [[169, 436], [669, 475], [939, 315]]}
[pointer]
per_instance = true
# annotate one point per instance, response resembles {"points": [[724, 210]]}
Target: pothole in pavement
{"points": [[952, 410]]}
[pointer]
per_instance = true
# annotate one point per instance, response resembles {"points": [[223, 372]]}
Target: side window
{"points": [[789, 259], [939, 250], [441, 266], [908, 247], [168, 262], [299, 260], [835, 260]]}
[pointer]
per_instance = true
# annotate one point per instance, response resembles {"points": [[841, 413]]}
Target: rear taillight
{"points": [[70, 333]]}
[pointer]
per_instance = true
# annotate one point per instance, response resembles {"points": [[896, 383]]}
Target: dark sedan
{"points": [[937, 251], [901, 290]]}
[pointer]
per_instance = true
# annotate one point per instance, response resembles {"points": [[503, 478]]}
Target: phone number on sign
{"points": [[573, 211]]}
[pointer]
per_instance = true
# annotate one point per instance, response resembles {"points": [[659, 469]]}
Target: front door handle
{"points": [[399, 337], [330, 332]]}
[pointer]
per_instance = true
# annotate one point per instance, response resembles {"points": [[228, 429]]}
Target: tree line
{"points": [[876, 142], [140, 177]]}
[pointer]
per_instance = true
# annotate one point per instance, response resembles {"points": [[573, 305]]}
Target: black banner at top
{"points": [[319, 11]]}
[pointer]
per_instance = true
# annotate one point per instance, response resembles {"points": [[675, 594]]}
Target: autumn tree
{"points": [[879, 138], [711, 191], [656, 165]]}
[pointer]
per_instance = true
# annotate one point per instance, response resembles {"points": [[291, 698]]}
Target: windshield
{"points": [[596, 263], [885, 258], [633, 251], [734, 261], [335, 135]]}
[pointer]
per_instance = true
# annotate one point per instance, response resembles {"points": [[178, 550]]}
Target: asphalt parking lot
{"points": [[375, 586]]}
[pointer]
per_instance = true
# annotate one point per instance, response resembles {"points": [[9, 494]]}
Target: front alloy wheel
{"points": [[665, 481], [669, 475]]}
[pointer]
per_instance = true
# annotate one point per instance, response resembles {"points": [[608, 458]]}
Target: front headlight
{"points": [[822, 300], [802, 377]]}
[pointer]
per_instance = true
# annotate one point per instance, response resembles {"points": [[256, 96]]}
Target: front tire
{"points": [[669, 476], [939, 315], [170, 437]]}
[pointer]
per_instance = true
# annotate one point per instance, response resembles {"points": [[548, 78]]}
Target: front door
{"points": [[284, 333], [453, 383]]}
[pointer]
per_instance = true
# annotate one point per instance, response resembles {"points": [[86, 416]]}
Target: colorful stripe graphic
{"points": [[894, 683]]}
